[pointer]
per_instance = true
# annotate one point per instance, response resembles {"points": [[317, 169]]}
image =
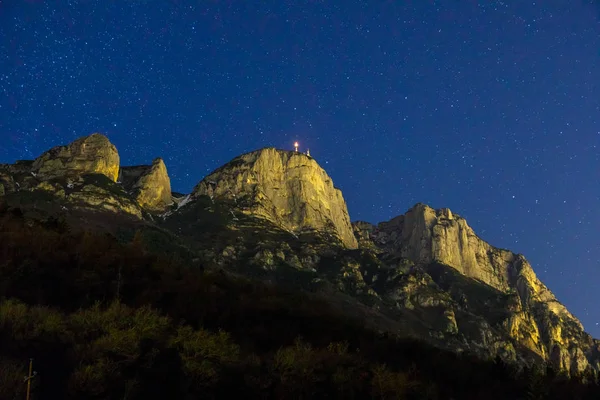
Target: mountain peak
{"points": [[422, 208], [285, 187], [271, 152], [150, 184], [428, 236], [87, 155]]}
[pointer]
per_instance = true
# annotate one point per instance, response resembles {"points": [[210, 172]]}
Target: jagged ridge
{"points": [[85, 174], [538, 320], [426, 269]]}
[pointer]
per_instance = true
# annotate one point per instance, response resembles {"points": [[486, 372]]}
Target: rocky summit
{"points": [[150, 185], [86, 175], [535, 319], [88, 155], [275, 215], [287, 188]]}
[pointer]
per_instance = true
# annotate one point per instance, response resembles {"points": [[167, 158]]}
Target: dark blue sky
{"points": [[490, 109]]}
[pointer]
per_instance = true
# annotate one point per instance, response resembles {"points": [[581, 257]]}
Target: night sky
{"points": [[490, 109]]}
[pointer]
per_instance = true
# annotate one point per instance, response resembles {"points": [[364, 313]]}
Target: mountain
{"points": [[91, 154], [150, 185], [533, 318], [275, 216], [284, 187]]}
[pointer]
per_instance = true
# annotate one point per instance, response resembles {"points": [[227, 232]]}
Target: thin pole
{"points": [[29, 378]]}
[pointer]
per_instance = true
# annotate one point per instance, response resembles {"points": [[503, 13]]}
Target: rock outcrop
{"points": [[93, 154], [287, 188], [150, 184], [362, 232], [424, 235], [81, 175], [536, 320]]}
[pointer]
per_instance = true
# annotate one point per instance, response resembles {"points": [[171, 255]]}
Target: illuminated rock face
{"points": [[84, 174], [287, 188], [150, 184], [93, 154], [537, 319], [425, 235]]}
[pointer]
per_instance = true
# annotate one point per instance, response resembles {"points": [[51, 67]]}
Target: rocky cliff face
{"points": [[276, 215], [84, 174], [150, 184], [287, 188], [425, 235], [93, 154], [536, 319]]}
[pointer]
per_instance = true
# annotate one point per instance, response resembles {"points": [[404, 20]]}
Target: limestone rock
{"points": [[570, 359], [363, 231], [80, 175], [536, 319], [532, 291], [523, 328], [150, 184], [425, 270], [97, 197], [87, 155], [287, 188], [425, 235]]}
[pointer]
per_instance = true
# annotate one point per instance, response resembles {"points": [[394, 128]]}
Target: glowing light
{"points": [[296, 145]]}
